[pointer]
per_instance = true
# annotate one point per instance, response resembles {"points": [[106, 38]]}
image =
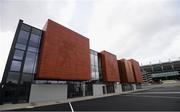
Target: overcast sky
{"points": [[146, 30]]}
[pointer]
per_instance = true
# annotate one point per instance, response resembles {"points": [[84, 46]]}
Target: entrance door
{"points": [[88, 89], [110, 88], [104, 89], [75, 89]]}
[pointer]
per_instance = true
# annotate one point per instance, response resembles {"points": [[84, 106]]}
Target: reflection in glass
{"points": [[18, 54], [94, 65], [93, 75], [92, 59], [96, 60], [25, 28], [15, 66], [13, 77], [26, 78], [34, 41], [33, 49], [36, 31], [23, 37], [29, 62], [20, 46]]}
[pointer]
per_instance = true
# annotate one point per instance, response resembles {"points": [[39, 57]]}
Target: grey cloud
{"points": [[33, 12], [128, 28], [144, 30]]}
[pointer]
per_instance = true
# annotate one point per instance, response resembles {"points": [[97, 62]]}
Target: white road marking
{"points": [[158, 93], [30, 107], [153, 96], [71, 107]]}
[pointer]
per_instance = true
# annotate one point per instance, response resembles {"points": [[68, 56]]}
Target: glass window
{"points": [[25, 28], [18, 54], [93, 75], [96, 69], [100, 70], [13, 77], [26, 78], [97, 75], [93, 68], [20, 46], [15, 66], [29, 64], [95, 53], [34, 41], [91, 52], [92, 59], [96, 60], [33, 49], [99, 62], [23, 37], [36, 31]]}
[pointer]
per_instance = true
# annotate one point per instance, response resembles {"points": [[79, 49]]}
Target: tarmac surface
{"points": [[156, 99]]}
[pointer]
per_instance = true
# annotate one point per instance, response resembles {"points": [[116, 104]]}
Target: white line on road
{"points": [[71, 107], [158, 93], [152, 96]]}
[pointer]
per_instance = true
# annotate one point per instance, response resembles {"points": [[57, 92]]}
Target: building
{"points": [[161, 71], [136, 71], [58, 59], [130, 74], [56, 63]]}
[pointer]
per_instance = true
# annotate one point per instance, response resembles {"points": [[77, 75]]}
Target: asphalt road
{"points": [[157, 99]]}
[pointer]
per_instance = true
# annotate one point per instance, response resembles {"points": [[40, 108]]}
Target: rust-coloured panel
{"points": [[64, 54], [109, 67], [126, 71], [136, 71]]}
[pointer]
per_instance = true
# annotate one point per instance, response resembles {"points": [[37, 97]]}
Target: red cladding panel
{"points": [[126, 71], [109, 67], [64, 54], [136, 71]]}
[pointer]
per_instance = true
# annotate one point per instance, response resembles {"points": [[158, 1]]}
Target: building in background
{"points": [[136, 71], [154, 73], [130, 74], [109, 67], [56, 63]]}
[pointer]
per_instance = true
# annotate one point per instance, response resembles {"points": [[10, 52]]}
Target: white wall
{"points": [[118, 88], [98, 89], [134, 87], [47, 92]]}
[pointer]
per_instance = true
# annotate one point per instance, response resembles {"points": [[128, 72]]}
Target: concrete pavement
{"points": [[38, 104], [151, 88], [156, 99]]}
